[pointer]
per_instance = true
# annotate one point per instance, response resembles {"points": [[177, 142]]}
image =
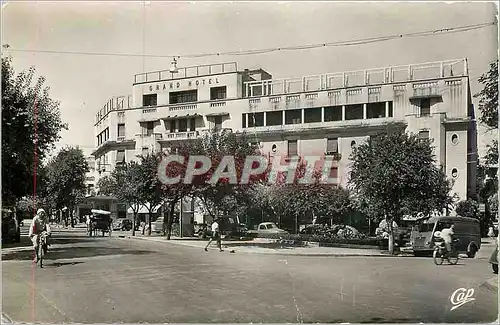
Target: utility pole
{"points": [[181, 217]]}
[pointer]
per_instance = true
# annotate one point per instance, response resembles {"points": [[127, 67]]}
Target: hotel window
{"points": [[425, 107], [423, 135], [292, 148], [312, 115], [375, 110], [192, 124], [218, 122], [149, 128], [354, 112], [179, 97], [274, 118], [149, 100], [333, 113], [391, 111], [243, 121], [120, 157], [293, 116], [172, 126], [332, 146], [121, 130], [255, 119], [218, 93], [183, 126]]}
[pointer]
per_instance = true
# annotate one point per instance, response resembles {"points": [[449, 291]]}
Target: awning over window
{"points": [[148, 119], [177, 116], [217, 114]]}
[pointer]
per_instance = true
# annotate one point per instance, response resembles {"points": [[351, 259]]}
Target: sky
{"points": [[84, 83]]}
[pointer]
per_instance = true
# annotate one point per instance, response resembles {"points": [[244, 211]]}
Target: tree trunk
{"points": [[170, 219], [72, 219], [133, 223], [149, 223], [391, 236]]}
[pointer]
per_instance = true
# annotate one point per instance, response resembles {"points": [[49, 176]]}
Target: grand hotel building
{"points": [[311, 115]]}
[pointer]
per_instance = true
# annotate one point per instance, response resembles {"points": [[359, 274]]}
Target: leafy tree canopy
{"points": [[30, 119], [488, 97]]}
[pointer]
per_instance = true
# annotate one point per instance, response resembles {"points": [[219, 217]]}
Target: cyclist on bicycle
{"points": [[447, 236], [39, 224]]}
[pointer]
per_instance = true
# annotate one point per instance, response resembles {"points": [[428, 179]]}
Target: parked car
{"points": [[11, 231], [157, 226], [268, 228], [122, 224]]}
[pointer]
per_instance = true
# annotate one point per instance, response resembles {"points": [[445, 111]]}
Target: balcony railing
{"points": [[187, 72], [405, 73], [114, 104], [182, 107], [181, 135]]}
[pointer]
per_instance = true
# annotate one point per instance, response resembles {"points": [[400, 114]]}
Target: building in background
{"points": [[325, 114]]}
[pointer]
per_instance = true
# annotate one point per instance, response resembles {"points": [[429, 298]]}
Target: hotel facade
{"points": [[325, 114]]}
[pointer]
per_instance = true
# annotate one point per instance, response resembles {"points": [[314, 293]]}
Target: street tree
{"points": [[151, 190], [325, 202], [217, 145], [396, 174], [173, 193], [66, 179], [128, 184], [468, 208], [31, 125], [106, 185], [488, 97]]}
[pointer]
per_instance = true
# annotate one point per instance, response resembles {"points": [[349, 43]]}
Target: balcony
{"points": [[181, 135], [426, 90], [178, 108], [393, 74]]}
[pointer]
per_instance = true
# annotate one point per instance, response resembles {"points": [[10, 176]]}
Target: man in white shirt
{"points": [[38, 225], [447, 236], [215, 235]]}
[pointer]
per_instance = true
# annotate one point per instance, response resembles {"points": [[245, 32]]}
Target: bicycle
{"points": [[42, 247], [440, 252]]}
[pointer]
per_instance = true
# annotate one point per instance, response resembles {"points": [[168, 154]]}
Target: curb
{"points": [[492, 283], [265, 253], [6, 319]]}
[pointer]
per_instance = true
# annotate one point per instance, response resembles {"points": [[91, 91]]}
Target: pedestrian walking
{"points": [[215, 235], [491, 232]]}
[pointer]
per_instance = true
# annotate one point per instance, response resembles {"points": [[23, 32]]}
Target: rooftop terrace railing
{"points": [[187, 72], [114, 104], [392, 74]]}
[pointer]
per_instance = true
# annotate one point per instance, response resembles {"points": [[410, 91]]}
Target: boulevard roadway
{"points": [[113, 280]]}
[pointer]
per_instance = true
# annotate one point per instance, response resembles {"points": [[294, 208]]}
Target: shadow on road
{"points": [[59, 264], [72, 252], [67, 247]]}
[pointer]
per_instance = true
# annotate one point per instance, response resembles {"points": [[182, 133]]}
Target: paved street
{"points": [[112, 280]]}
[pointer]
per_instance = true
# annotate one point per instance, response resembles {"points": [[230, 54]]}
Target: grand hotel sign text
{"points": [[184, 84]]}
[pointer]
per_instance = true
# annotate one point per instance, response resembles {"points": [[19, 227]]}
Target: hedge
{"points": [[323, 241]]}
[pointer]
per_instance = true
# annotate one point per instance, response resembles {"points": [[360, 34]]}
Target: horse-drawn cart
{"points": [[100, 221]]}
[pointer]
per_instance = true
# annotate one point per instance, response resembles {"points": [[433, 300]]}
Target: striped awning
{"points": [[177, 116]]}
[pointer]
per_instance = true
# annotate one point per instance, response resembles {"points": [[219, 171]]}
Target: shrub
{"points": [[366, 241]]}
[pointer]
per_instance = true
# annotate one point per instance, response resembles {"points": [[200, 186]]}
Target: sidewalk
{"points": [[251, 247]]}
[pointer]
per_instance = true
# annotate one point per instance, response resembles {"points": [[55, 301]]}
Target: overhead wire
{"points": [[361, 41]]}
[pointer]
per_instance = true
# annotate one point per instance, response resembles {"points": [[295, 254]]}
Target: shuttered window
{"points": [[332, 145], [292, 147]]}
